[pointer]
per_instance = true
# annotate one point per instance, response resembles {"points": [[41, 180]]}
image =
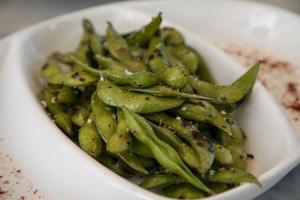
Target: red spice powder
{"points": [[2, 192], [295, 103], [292, 87]]}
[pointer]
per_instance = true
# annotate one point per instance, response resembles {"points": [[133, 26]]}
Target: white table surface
{"points": [[17, 14]]}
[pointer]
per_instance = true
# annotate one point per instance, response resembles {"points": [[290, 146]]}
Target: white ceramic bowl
{"points": [[62, 169]]}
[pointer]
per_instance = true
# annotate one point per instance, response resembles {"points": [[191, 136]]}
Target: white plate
{"points": [[62, 170]]}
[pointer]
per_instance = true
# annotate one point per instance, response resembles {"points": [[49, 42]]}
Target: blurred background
{"points": [[17, 14]]}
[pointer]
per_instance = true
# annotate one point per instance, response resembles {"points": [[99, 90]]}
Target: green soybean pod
{"points": [[106, 126], [239, 156], [119, 49], [235, 176], [176, 77], [115, 96], [223, 155], [52, 73], [160, 181], [186, 152], [62, 58], [79, 115], [62, 119], [204, 112], [82, 51], [66, 95], [152, 47], [203, 149], [171, 36], [203, 72], [183, 191], [121, 139], [96, 45], [164, 91], [237, 134], [186, 56], [218, 187], [114, 164], [227, 94], [140, 149], [144, 35], [133, 161], [163, 153], [89, 139], [79, 78], [122, 77], [103, 117], [109, 63]]}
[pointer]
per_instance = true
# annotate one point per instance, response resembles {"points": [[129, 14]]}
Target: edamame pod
{"points": [[52, 73], [183, 191], [160, 181], [114, 96], [139, 149], [109, 63], [132, 161], [79, 115], [169, 70], [171, 36], [164, 91], [83, 50], [223, 155], [62, 58], [162, 152], [233, 176], [121, 139], [144, 35], [227, 94], [186, 152], [106, 126], [113, 164], [65, 95], [175, 77], [204, 112], [239, 156], [186, 56], [93, 39], [89, 139], [138, 79], [203, 149], [203, 73], [119, 49], [104, 118], [61, 118]]}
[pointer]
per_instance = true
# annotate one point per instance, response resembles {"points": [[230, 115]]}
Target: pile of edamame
{"points": [[145, 105]]}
